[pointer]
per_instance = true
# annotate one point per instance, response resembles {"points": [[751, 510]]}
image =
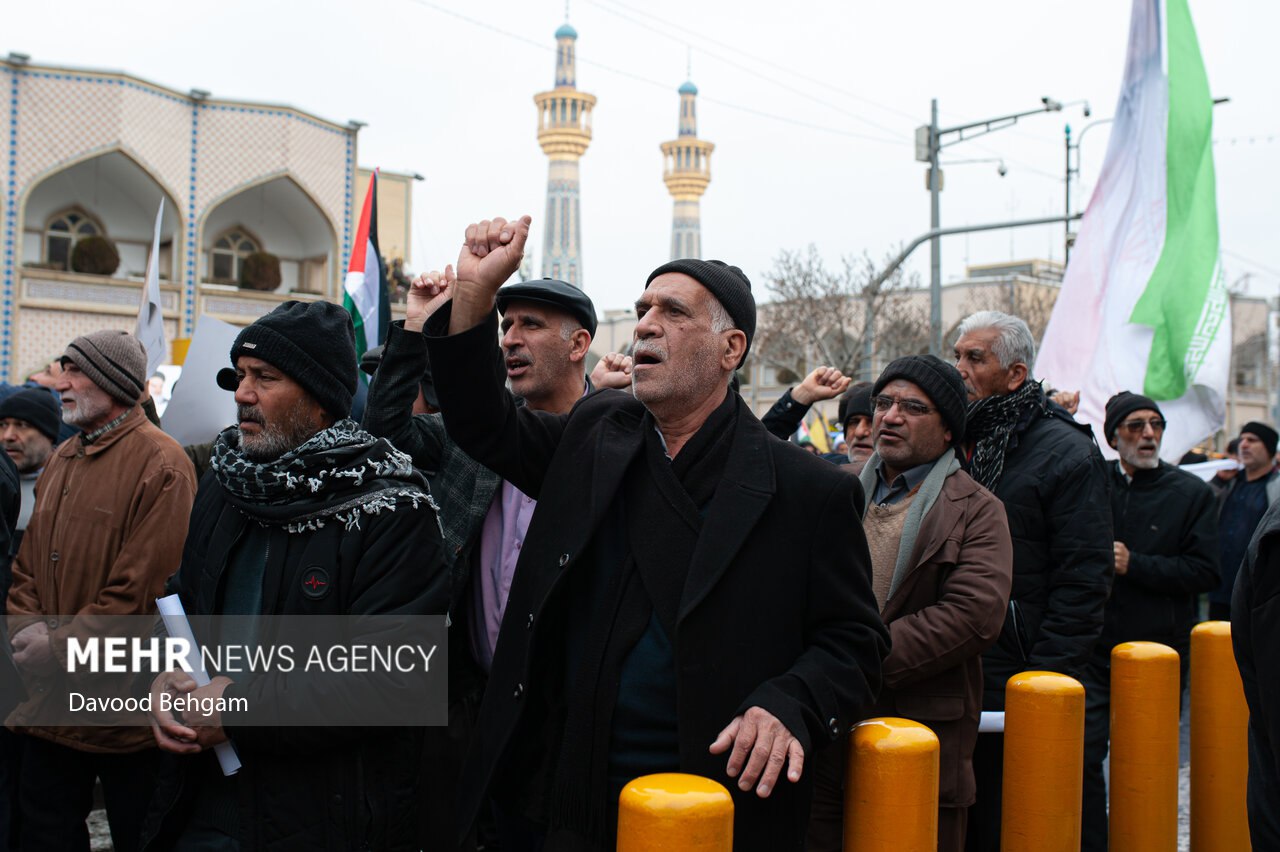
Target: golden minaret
{"points": [[564, 132], [687, 172]]}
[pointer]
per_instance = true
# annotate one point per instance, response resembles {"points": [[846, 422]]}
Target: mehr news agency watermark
{"points": [[373, 670]]}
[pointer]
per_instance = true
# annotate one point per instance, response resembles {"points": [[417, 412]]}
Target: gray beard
{"points": [[275, 440], [1131, 458], [86, 412]]}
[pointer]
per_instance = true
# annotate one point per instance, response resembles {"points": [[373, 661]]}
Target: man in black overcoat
{"points": [[692, 595]]}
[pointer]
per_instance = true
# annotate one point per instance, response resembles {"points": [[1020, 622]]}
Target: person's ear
{"points": [[1018, 375], [735, 345], [581, 340]]}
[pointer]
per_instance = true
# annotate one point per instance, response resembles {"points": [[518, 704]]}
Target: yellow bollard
{"points": [[1144, 748], [1219, 743], [891, 787], [672, 811], [1043, 763]]}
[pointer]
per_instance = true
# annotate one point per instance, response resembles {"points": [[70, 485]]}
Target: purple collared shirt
{"points": [[500, 541]]}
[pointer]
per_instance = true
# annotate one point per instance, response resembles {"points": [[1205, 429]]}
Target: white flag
{"points": [[150, 328], [1144, 306]]}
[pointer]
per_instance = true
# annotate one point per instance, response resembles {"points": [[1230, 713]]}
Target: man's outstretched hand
{"points": [[491, 253], [762, 745]]}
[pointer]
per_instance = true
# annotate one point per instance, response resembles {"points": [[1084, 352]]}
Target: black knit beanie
{"points": [[312, 343], [856, 402], [37, 407], [727, 283], [1263, 433], [939, 380], [1121, 406]]}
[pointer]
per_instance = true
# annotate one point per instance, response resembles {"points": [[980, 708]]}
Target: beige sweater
{"points": [[883, 527]]}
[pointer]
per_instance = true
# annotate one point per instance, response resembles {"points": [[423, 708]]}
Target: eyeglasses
{"points": [[906, 406], [1136, 427]]}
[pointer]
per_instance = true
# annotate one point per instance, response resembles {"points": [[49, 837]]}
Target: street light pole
{"points": [[1066, 236], [1073, 170], [929, 142], [935, 245]]}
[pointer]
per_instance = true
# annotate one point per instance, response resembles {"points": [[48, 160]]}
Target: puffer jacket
{"points": [[1055, 494], [303, 787]]}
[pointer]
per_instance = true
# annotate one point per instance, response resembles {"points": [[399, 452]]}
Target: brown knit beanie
{"points": [[115, 361]]}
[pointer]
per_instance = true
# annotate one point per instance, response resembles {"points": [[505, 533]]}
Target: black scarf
{"points": [[994, 419], [663, 502], [340, 473]]}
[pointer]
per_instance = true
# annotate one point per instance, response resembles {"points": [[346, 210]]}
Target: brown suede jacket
{"points": [[947, 610], [109, 523]]}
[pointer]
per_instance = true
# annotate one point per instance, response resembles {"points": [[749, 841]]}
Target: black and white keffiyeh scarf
{"points": [[341, 473], [993, 420]]}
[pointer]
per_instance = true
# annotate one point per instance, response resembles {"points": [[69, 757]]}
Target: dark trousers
{"points": [[952, 823], [1096, 678], [826, 813], [982, 834], [57, 795], [1219, 611], [1263, 795], [10, 765]]}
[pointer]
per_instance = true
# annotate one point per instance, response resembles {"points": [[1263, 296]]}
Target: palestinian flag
{"points": [[1144, 304], [365, 292]]}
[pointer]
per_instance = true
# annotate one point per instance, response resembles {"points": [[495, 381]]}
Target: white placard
{"points": [[198, 409]]}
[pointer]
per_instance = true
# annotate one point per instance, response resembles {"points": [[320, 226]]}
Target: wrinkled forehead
{"points": [[979, 340], [906, 390], [249, 363]]}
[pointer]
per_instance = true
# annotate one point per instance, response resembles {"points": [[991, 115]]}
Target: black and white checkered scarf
{"points": [[341, 473]]}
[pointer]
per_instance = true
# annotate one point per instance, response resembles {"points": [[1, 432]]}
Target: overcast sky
{"points": [[812, 108]]}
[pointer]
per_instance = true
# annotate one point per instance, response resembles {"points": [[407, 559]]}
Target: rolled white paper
{"points": [[176, 623]]}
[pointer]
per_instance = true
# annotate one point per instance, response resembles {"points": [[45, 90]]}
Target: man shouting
{"points": [[693, 595]]}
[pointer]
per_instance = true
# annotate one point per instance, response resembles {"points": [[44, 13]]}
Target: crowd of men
{"points": [[639, 576]]}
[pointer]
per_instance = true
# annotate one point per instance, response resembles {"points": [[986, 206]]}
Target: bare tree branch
{"points": [[843, 319]]}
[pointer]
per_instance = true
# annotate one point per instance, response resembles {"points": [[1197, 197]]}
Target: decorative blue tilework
{"points": [[10, 225], [189, 277], [346, 208]]}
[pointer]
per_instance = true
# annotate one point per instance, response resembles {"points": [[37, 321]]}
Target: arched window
{"points": [[62, 233], [228, 253]]}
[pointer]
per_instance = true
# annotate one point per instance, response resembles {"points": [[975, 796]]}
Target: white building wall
{"points": [[198, 152]]}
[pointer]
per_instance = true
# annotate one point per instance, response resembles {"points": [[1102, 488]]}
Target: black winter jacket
{"points": [[310, 788], [1167, 519], [1054, 490], [1255, 636]]}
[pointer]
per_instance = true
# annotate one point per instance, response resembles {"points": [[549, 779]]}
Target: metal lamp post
{"points": [[930, 140], [1073, 170]]}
